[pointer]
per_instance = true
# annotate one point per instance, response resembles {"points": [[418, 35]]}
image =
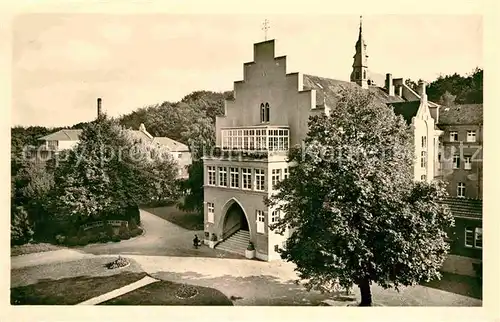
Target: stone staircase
{"points": [[236, 243]]}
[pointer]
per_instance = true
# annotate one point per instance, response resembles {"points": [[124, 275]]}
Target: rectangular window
{"points": [[260, 215], [247, 178], [424, 141], [439, 160], [423, 177], [453, 136], [469, 237], [285, 173], [275, 177], [471, 136], [423, 159], [478, 238], [275, 216], [245, 142], [456, 161], [211, 175], [235, 178], [223, 176], [467, 162], [211, 211], [461, 190], [52, 145], [260, 179]]}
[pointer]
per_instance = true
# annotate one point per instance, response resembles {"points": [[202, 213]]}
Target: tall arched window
{"points": [[264, 112], [364, 74]]}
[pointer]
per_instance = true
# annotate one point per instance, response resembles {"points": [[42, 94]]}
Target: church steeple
{"points": [[359, 73]]}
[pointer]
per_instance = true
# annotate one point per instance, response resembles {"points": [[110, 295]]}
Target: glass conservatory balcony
{"points": [[258, 138]]}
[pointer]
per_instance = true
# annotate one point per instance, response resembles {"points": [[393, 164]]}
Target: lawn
{"points": [[70, 291], [164, 293], [458, 284], [32, 248], [190, 221]]}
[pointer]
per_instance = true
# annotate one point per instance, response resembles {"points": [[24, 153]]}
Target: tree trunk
{"points": [[366, 294]]}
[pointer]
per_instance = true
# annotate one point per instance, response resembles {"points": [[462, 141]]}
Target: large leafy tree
{"points": [[30, 195], [359, 218], [109, 170]]}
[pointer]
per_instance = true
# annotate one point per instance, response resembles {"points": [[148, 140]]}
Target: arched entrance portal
{"points": [[234, 220]]}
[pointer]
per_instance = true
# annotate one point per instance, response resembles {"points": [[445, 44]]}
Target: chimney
{"points": [[99, 110], [389, 86], [421, 91]]}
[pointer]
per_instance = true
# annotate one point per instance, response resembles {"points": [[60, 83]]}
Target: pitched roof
{"points": [[74, 135], [328, 89], [382, 96], [467, 208], [63, 135], [140, 135], [170, 144], [461, 114]]}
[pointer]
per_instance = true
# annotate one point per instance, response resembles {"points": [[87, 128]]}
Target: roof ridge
{"points": [[64, 131]]}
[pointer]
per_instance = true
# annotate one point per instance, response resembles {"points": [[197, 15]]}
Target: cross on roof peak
{"points": [[265, 27]]}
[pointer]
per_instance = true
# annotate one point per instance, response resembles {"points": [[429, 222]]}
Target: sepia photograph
{"points": [[165, 159]]}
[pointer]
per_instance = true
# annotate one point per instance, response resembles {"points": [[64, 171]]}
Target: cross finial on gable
{"points": [[265, 27]]}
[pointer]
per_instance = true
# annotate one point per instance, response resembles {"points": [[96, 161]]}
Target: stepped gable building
{"points": [[269, 113]]}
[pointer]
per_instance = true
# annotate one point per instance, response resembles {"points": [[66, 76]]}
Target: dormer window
{"points": [[264, 112]]}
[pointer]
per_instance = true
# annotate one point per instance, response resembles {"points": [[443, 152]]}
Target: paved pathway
{"points": [[248, 282], [252, 282], [161, 238], [49, 257]]}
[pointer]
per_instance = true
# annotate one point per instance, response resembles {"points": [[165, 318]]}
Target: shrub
{"points": [[207, 235], [22, 229], [115, 238], [132, 224], [133, 212], [136, 232], [103, 237], [125, 235], [72, 241], [478, 268], [123, 229], [60, 239], [108, 229], [83, 241], [250, 246], [214, 237], [93, 238]]}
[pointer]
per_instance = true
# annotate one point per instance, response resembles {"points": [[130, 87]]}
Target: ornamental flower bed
{"points": [[186, 292], [118, 263]]}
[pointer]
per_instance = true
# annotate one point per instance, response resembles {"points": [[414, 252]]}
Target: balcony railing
{"points": [[224, 154]]}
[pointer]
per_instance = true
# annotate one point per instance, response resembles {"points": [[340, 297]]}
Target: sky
{"points": [[61, 63]]}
